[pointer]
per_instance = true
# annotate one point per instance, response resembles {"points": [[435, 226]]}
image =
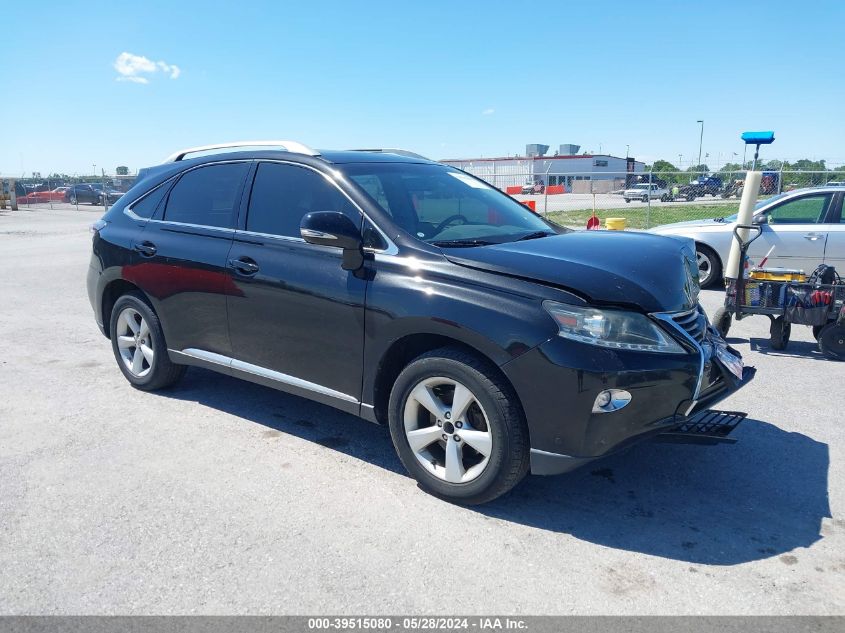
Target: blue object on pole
{"points": [[758, 138]]}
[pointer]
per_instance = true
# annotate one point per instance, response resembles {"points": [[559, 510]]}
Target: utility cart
{"points": [[787, 298]]}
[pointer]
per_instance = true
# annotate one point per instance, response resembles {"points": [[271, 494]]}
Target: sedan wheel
{"points": [[709, 267], [448, 430], [134, 341], [73, 199]]}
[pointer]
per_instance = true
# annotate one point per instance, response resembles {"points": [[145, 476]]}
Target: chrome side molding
{"points": [[263, 372]]}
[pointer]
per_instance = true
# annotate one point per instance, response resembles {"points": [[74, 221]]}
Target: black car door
{"points": [[183, 256], [296, 318]]}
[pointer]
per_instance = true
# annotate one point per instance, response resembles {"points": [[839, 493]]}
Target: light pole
{"points": [[627, 151], [700, 140]]}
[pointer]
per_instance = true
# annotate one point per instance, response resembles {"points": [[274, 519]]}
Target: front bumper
{"points": [[558, 381]]}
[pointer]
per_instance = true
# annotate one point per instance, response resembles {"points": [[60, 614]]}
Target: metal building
{"points": [[574, 171]]}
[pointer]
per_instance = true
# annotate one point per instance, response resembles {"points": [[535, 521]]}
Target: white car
{"points": [[644, 191], [806, 227]]}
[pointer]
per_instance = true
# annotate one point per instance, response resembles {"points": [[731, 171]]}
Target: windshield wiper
{"points": [[464, 242], [534, 235]]}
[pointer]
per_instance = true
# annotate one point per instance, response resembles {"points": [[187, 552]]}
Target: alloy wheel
{"points": [[705, 268], [134, 342], [448, 430]]}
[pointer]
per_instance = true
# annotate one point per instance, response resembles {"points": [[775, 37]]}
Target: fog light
{"points": [[611, 400]]}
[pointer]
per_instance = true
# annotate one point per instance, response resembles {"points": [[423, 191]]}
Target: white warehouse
{"points": [[579, 173]]}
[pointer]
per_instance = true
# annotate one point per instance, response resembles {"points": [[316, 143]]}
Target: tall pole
{"points": [[700, 141], [627, 151]]}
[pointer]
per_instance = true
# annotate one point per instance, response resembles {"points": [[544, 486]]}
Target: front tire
{"points": [[722, 320], [458, 427], [139, 346], [709, 266]]}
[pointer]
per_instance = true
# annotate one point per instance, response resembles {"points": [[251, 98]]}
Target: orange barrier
{"points": [[553, 189], [512, 190], [531, 204]]}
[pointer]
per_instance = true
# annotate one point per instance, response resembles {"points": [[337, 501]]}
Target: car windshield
{"points": [[757, 207], [446, 207], [640, 187]]}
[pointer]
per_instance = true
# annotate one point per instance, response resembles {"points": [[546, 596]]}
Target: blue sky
{"points": [[446, 79]]}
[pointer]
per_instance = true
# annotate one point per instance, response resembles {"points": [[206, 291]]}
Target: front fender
{"points": [[500, 317]]}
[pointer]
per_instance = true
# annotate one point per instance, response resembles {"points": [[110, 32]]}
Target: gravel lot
{"points": [[225, 497]]}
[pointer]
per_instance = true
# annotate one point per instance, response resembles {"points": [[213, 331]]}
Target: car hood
{"points": [[689, 224], [654, 273]]}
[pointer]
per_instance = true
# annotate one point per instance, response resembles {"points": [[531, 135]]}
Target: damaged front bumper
{"points": [[559, 384]]}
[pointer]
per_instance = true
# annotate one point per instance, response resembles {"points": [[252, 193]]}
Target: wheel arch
{"points": [[112, 291], [404, 350]]}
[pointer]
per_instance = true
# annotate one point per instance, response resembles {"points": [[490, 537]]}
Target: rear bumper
{"points": [[558, 382]]}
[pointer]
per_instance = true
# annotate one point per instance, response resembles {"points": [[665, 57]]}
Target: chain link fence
{"points": [[64, 192], [644, 199]]}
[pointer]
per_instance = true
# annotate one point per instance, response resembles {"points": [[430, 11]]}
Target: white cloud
{"points": [[488, 111], [137, 68], [133, 79]]}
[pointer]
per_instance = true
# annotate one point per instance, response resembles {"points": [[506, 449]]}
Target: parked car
{"points": [[804, 226], [701, 186], [531, 188], [644, 191], [54, 195], [92, 193], [411, 294]]}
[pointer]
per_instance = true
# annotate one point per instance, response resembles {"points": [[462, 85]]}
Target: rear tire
{"points": [[139, 346], [779, 332], [832, 341], [645, 199], [722, 320], [444, 463], [73, 200]]}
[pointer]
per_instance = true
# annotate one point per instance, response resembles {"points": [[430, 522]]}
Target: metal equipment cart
{"points": [[811, 302]]}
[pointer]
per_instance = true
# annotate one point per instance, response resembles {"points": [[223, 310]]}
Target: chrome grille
{"points": [[693, 322]]}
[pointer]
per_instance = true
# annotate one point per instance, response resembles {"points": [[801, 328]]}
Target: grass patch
{"points": [[641, 218]]}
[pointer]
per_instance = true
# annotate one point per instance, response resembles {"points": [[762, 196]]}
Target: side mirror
{"points": [[760, 219], [330, 228]]}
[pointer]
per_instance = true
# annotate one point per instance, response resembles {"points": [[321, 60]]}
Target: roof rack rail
{"points": [[393, 150], [290, 146]]}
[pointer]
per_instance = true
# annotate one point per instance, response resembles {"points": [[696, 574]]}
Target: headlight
{"points": [[615, 329]]}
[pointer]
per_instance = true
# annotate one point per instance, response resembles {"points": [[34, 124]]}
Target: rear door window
{"points": [[207, 196]]}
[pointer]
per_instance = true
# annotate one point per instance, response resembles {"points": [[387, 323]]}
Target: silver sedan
{"points": [[806, 227]]}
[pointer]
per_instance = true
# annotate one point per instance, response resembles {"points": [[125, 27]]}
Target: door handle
{"points": [[147, 249], [813, 236], [244, 265]]}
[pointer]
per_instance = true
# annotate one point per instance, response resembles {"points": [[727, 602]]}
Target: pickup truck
{"points": [[701, 187], [644, 191]]}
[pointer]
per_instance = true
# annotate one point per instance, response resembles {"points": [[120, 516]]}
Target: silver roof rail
{"points": [[290, 146], [394, 150]]}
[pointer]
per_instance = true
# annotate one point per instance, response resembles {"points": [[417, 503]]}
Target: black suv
{"points": [[411, 294]]}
